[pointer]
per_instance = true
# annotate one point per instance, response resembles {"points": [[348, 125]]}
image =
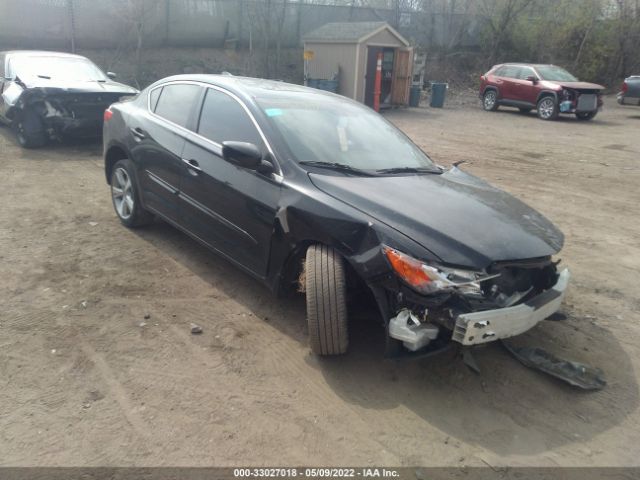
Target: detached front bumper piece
{"points": [[490, 325]]}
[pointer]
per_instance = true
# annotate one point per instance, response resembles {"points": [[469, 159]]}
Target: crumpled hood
{"points": [[458, 217], [577, 85]]}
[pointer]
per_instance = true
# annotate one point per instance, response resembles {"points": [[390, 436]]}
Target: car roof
{"points": [[39, 53], [253, 87], [520, 64]]}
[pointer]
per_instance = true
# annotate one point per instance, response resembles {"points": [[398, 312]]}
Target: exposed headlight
{"points": [[427, 279]]}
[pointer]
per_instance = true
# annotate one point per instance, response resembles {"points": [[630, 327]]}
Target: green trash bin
{"points": [[438, 94], [414, 96]]}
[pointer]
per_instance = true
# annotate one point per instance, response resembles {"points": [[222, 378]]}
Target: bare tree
{"points": [[628, 35], [500, 16], [137, 14]]}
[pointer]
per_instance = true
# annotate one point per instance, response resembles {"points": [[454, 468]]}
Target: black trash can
{"points": [[438, 94], [414, 96]]}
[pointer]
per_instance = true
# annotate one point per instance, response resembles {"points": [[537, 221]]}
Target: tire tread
{"points": [[326, 301]]}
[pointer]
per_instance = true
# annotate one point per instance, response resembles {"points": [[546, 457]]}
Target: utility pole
{"points": [[72, 25]]}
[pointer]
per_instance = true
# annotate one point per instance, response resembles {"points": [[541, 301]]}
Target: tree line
{"points": [[598, 40]]}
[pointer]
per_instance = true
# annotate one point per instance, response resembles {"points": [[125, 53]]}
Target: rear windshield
{"points": [[326, 129], [555, 74], [55, 68]]}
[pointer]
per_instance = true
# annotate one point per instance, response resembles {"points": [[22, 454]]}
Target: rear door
{"points": [[230, 208], [509, 75], [158, 134]]}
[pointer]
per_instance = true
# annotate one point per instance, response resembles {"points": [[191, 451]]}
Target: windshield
{"points": [[319, 128], [59, 68], [555, 74]]}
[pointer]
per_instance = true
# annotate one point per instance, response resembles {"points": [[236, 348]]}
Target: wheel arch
{"points": [[547, 93], [491, 87], [291, 269], [113, 154]]}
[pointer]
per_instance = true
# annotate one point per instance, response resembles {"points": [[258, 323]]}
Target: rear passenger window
{"points": [[224, 119], [499, 72], [510, 71], [176, 103]]}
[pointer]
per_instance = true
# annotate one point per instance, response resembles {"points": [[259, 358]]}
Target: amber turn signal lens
{"points": [[409, 269]]}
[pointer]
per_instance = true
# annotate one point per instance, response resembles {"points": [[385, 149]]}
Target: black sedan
{"points": [[52, 96], [308, 190]]}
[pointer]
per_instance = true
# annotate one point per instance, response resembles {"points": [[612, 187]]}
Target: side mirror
{"points": [[111, 75], [532, 79], [244, 154]]}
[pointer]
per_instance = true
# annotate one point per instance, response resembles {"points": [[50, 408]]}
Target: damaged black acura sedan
{"points": [[308, 190], [51, 95]]}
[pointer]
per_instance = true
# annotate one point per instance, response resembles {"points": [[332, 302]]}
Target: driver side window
{"points": [[224, 119], [526, 72]]}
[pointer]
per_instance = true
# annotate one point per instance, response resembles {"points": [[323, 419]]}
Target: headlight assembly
{"points": [[427, 279]]}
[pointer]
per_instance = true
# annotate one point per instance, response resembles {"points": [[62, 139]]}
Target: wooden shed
{"points": [[348, 51]]}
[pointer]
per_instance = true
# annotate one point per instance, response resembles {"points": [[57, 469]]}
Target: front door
{"points": [[230, 208], [527, 90]]}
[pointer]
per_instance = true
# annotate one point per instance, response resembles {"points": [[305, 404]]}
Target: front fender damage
{"points": [[11, 95], [415, 323]]}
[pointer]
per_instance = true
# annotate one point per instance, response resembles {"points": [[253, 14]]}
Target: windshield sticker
{"points": [[273, 112]]}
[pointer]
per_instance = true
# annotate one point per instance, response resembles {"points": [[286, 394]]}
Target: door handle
{"points": [[138, 133], [192, 164]]}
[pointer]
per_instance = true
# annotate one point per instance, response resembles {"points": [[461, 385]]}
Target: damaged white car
{"points": [[51, 96]]}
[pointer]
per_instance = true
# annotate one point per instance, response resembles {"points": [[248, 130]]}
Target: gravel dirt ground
{"points": [[98, 366]]}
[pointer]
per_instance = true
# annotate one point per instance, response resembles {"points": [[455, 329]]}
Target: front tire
{"points": [[326, 301], [584, 116], [548, 108], [125, 197], [490, 100], [29, 129]]}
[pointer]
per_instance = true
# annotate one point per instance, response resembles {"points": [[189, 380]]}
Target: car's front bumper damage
{"points": [[490, 325], [63, 113], [505, 305]]}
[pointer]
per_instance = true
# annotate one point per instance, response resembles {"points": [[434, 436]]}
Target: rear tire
{"points": [[548, 108], [125, 196], [490, 100], [29, 129], [326, 301], [584, 116]]}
